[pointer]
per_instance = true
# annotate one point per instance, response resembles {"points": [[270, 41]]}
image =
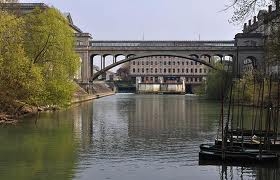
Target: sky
{"points": [[150, 19]]}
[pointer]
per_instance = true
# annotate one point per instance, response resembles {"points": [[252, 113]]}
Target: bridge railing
{"points": [[161, 43]]}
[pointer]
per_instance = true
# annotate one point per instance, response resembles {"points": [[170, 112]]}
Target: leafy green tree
{"points": [[37, 60], [18, 78], [50, 47], [218, 82]]}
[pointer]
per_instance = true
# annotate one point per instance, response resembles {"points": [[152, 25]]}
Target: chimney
{"points": [[255, 19], [245, 26], [269, 8], [250, 22]]}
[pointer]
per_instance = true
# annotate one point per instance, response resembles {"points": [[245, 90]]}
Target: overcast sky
{"points": [[151, 19]]}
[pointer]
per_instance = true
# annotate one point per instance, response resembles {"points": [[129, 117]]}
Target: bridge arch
{"points": [[95, 76]]}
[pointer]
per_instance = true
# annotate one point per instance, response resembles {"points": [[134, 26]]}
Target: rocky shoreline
{"points": [[79, 97]]}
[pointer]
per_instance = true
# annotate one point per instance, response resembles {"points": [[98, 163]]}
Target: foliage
{"points": [[218, 82], [242, 9], [50, 47], [123, 72], [37, 59]]}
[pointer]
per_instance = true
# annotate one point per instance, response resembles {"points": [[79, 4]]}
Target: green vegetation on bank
{"points": [[37, 59], [217, 84]]}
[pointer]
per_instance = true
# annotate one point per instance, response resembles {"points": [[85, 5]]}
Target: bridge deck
{"points": [[162, 43]]}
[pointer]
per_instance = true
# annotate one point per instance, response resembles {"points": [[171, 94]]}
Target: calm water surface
{"points": [[122, 137]]}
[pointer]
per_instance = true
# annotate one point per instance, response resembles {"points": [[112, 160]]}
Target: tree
{"points": [[242, 9], [50, 47], [19, 80], [37, 60], [218, 82], [123, 72]]}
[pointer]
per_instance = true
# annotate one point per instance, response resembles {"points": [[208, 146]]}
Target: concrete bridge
{"points": [[242, 48]]}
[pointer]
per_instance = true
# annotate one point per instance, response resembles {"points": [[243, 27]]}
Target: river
{"points": [[121, 137]]}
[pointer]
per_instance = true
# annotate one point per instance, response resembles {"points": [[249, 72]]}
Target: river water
{"points": [[121, 137]]}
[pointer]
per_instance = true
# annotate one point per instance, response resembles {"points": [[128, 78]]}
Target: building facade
{"points": [[265, 23], [169, 70]]}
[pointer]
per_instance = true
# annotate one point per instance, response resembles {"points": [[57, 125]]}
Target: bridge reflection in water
{"points": [[153, 136]]}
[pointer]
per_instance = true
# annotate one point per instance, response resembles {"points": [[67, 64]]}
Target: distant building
{"points": [[168, 70], [265, 23]]}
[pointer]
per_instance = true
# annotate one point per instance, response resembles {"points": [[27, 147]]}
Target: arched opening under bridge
{"points": [[196, 59]]}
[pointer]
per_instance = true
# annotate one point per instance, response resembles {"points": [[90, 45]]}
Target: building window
{"points": [[191, 63], [147, 70], [151, 78], [169, 63], [152, 62], [138, 70], [156, 70], [200, 79], [191, 70], [147, 62], [187, 63], [195, 63], [133, 70], [183, 63], [178, 62], [147, 78], [138, 63], [195, 70], [173, 62], [173, 70], [160, 70], [205, 71], [178, 70], [142, 62], [164, 70], [191, 79], [133, 62], [200, 70], [164, 63], [152, 70], [156, 63], [183, 70], [142, 70], [187, 70], [169, 70]]}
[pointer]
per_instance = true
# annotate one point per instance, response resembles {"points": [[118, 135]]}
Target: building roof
{"points": [[24, 8]]}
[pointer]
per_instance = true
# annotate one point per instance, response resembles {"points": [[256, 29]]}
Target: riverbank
{"points": [[101, 89]]}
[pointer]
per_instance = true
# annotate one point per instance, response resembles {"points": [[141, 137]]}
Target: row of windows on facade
{"points": [[165, 63], [192, 79], [169, 70]]}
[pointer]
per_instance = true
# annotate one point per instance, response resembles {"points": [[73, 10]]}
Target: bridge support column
{"points": [[101, 62], [85, 66], [104, 65], [114, 59]]}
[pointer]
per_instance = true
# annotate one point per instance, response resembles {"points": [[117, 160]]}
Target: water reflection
{"points": [[41, 150], [120, 137]]}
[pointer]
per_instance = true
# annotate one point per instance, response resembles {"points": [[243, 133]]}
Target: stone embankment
{"points": [[99, 89]]}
